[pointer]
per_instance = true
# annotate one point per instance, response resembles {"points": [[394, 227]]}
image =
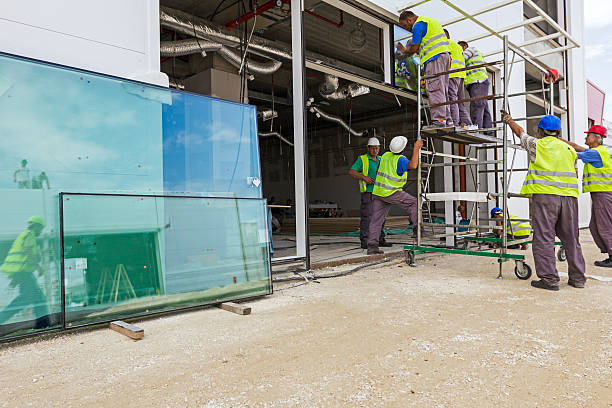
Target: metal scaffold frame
{"points": [[522, 270]]}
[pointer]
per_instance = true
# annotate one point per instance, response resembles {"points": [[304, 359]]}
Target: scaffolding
{"points": [[480, 140]]}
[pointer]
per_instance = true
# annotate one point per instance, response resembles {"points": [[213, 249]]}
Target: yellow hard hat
{"points": [[36, 220]]}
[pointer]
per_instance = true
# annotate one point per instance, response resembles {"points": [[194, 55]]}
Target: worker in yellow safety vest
{"points": [[430, 42], [22, 260], [477, 83], [388, 188], [552, 184], [456, 87], [364, 170], [597, 180], [517, 229]]}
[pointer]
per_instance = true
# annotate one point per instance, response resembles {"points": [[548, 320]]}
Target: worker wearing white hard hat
{"points": [[388, 188], [364, 170]]}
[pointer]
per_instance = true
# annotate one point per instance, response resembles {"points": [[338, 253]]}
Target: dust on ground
{"points": [[444, 334]]}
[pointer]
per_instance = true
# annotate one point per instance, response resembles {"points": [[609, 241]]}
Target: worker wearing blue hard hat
{"points": [[517, 229], [552, 184]]}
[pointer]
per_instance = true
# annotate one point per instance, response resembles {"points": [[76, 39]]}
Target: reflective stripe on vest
{"points": [[434, 42], [17, 260], [519, 228], [594, 179], [553, 170], [476, 74], [387, 180], [457, 60], [365, 165]]}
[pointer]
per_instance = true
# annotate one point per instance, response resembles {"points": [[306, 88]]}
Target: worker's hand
{"points": [[368, 180], [506, 118], [418, 144], [401, 47]]}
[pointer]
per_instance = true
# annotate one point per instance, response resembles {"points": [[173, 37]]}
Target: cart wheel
{"points": [[522, 270], [464, 245], [561, 255], [410, 258]]}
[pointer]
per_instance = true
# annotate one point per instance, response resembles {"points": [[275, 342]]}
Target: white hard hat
{"points": [[398, 143], [373, 142]]}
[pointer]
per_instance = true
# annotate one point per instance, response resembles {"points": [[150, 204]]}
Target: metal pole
{"points": [[552, 97], [419, 200], [503, 248]]}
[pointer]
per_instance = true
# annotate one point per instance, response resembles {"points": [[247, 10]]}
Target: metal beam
{"points": [[508, 28], [550, 21]]}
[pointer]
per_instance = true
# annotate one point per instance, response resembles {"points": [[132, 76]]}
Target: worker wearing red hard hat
{"points": [[597, 180], [552, 184]]}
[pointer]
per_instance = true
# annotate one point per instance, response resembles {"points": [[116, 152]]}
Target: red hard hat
{"points": [[600, 130]]}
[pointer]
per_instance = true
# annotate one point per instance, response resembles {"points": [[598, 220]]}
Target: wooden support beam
{"points": [[235, 308], [127, 329]]}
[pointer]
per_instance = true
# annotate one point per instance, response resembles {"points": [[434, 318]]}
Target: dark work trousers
{"points": [[456, 91], [30, 296], [381, 207], [437, 88], [479, 110], [364, 225], [554, 214], [601, 221]]}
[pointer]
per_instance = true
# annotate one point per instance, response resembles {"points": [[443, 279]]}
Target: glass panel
{"points": [[405, 69], [129, 255], [69, 130]]}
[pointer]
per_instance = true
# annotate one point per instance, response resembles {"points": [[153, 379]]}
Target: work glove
{"points": [[505, 117]]}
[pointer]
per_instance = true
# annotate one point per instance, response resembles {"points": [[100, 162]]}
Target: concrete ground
{"points": [[444, 334]]}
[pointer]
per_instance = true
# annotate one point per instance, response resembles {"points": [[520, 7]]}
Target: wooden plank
{"points": [[235, 308], [127, 329]]}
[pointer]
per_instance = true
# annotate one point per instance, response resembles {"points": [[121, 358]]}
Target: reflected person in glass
{"points": [[22, 261], [21, 176]]}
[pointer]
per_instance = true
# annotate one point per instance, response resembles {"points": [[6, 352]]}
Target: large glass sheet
{"points": [[132, 255]]}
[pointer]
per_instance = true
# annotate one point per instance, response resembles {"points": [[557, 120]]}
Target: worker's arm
{"points": [[414, 160], [576, 147], [498, 232], [356, 175], [507, 119]]}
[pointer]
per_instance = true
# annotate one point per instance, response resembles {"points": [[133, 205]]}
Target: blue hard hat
{"points": [[550, 122], [496, 210]]}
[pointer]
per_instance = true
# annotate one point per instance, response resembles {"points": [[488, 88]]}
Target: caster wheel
{"points": [[522, 271], [410, 259], [561, 255]]}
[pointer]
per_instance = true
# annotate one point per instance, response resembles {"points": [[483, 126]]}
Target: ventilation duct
{"points": [[254, 67], [331, 118], [267, 114], [274, 134], [190, 25], [329, 85], [353, 90]]}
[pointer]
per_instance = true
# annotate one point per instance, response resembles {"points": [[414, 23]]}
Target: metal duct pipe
{"points": [[336, 119], [329, 85], [274, 134], [186, 47], [353, 90], [190, 25], [254, 67], [267, 114]]}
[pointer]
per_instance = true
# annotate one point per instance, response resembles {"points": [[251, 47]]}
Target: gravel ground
{"points": [[444, 334]]}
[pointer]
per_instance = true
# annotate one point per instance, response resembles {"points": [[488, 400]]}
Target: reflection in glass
{"points": [[127, 255]]}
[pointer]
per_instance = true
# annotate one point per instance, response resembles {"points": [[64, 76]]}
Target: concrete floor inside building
{"points": [[446, 333]]}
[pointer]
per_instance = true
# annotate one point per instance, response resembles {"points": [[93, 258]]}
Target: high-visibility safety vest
{"points": [[365, 165], [387, 180], [553, 171], [17, 260], [434, 42], [400, 80], [520, 229], [473, 75], [593, 179], [457, 60]]}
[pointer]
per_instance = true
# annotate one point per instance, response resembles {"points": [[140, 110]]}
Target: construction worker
{"points": [[516, 229], [477, 82], [388, 188], [364, 169], [456, 85], [434, 56], [597, 180], [22, 260], [21, 176], [552, 184]]}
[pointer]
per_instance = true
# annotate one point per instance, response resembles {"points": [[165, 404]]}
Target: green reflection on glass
{"points": [[128, 255]]}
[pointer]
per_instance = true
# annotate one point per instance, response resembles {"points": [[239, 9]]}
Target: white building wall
{"points": [[115, 37]]}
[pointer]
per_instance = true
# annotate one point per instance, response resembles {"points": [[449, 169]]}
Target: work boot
{"points": [[385, 244], [577, 285], [605, 263], [373, 250], [364, 244], [540, 284]]}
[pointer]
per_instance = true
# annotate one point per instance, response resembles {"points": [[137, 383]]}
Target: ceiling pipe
{"points": [[327, 20], [274, 134], [257, 11], [331, 118]]}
